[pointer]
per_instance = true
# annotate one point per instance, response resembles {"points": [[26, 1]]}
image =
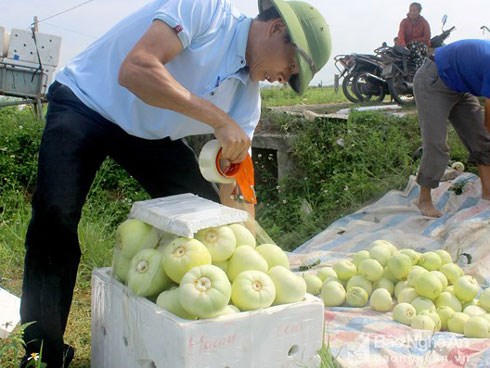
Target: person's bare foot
{"points": [[428, 209]]}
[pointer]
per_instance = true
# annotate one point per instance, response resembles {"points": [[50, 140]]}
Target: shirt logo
{"points": [[178, 28]]}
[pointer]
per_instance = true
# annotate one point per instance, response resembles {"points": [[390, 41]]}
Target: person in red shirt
{"points": [[414, 33]]}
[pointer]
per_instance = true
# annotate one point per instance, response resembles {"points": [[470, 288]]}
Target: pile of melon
{"points": [[424, 290], [221, 270]]}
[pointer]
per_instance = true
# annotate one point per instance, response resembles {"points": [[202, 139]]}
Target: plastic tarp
{"points": [[361, 337]]}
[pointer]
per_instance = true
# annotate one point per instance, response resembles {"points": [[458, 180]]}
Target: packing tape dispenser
{"points": [[211, 166]]}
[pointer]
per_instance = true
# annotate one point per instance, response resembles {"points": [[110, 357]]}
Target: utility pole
{"points": [[35, 25]]}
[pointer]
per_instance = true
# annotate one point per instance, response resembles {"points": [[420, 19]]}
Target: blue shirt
{"points": [[464, 66], [211, 65]]}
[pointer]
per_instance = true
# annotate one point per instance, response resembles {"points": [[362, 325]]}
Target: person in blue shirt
{"points": [[173, 69], [447, 87]]}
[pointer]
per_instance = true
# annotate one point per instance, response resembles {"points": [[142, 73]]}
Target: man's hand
{"points": [[234, 142]]}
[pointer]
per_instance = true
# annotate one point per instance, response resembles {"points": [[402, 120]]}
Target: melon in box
{"points": [[184, 268], [199, 247]]}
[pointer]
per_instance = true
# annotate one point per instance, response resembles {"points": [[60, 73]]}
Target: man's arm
{"points": [[426, 37], [401, 34], [143, 72], [487, 113]]}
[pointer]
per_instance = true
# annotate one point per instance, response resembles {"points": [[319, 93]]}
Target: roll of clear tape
{"points": [[208, 163]]}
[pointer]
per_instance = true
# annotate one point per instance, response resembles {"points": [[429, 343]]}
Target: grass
{"points": [[285, 96], [328, 361], [333, 180]]}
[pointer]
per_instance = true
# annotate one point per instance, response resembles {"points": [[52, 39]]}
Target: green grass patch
{"points": [[285, 96], [340, 166]]}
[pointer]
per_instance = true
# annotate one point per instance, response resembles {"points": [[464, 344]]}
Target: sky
{"points": [[356, 26]]}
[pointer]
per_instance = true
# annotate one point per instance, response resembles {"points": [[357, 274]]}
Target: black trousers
{"points": [[75, 142]]}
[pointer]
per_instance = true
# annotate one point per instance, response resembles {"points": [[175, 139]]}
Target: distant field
{"points": [[285, 96]]}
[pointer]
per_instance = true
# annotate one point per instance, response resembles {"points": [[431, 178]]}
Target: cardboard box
{"points": [[9, 313], [23, 48], [129, 331], [21, 74], [185, 214], [3, 43]]}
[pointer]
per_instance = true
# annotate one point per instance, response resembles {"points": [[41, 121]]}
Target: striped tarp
{"points": [[360, 336]]}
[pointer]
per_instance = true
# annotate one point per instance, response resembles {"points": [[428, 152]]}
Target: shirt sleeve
{"points": [[426, 33], [401, 34], [189, 18]]}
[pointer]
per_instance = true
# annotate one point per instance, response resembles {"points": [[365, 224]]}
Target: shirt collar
{"points": [[237, 60], [414, 21]]}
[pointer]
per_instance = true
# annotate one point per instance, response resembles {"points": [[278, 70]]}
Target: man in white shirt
{"points": [[173, 69]]}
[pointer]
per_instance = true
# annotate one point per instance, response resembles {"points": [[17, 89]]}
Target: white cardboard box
{"points": [[185, 214], [133, 332], [24, 48], [9, 313], [3, 43]]}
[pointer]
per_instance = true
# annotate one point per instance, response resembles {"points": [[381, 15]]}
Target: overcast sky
{"points": [[356, 25]]}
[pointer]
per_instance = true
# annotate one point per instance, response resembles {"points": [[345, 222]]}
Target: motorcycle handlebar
{"points": [[382, 49], [438, 40], [448, 31]]}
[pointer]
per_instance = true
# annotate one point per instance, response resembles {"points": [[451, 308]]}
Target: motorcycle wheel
{"points": [[399, 90], [365, 90], [347, 88]]}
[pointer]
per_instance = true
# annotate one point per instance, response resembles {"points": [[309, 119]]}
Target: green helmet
{"points": [[310, 34]]}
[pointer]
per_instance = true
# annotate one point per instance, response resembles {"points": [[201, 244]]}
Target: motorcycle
{"points": [[354, 69], [346, 63], [398, 72], [400, 66], [367, 84]]}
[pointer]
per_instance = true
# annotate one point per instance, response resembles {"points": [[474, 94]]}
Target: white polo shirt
{"points": [[211, 65]]}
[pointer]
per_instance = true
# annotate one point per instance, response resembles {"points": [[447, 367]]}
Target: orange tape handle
{"points": [[229, 171], [243, 173]]}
